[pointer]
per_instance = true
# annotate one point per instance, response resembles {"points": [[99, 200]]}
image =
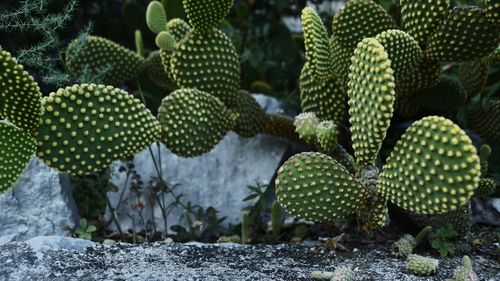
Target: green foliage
{"points": [[442, 243], [85, 230]]}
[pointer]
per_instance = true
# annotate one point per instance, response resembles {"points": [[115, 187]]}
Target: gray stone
{"points": [[40, 204], [219, 179], [224, 262], [45, 243], [486, 211]]}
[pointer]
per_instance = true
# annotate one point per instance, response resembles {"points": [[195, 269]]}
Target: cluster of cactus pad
{"points": [[369, 65], [377, 67]]}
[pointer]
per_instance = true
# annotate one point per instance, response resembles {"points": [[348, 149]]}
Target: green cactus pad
{"points": [[493, 11], [421, 18], [16, 150], [374, 214], [403, 51], [360, 19], [341, 60], [251, 116], [484, 154], [315, 187], [306, 125], [156, 17], [433, 169], [178, 28], [474, 76], [326, 136], [193, 122], [87, 127], [486, 187], [486, 121], [165, 41], [447, 95], [156, 72], [99, 56], [343, 157], [20, 96], [281, 126], [426, 75], [326, 99], [204, 15], [421, 266], [464, 35], [208, 62], [405, 106], [317, 46], [371, 99], [404, 246]]}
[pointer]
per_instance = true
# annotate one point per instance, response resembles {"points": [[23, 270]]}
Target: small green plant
{"points": [[442, 240], [85, 230]]}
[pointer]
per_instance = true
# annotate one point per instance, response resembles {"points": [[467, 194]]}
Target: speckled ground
{"points": [[161, 261]]}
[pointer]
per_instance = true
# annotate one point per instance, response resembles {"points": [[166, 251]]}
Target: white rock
{"points": [[219, 179], [40, 204], [486, 211], [44, 243]]}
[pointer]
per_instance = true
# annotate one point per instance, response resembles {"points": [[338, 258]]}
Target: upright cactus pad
{"points": [[251, 116], [474, 76], [315, 187], [433, 169], [326, 99], [208, 62], [178, 28], [360, 19], [16, 150], [464, 272], [421, 18], [403, 51], [156, 72], [426, 75], [486, 121], [99, 56], [421, 266], [371, 99], [156, 18], [464, 35], [87, 127], [341, 60], [326, 137], [204, 15], [404, 246], [317, 46], [20, 96], [193, 122]]}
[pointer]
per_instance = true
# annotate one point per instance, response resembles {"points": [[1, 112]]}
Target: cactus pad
{"points": [[156, 72], [251, 116], [486, 187], [459, 219], [421, 18], [20, 96], [486, 121], [87, 127], [447, 95], [426, 75], [464, 272], [178, 28], [464, 35], [404, 246], [403, 51], [341, 60], [204, 15], [326, 136], [315, 187], [96, 55], [306, 125], [360, 19], [375, 213], [317, 46], [326, 99], [208, 62], [165, 41], [433, 169], [474, 76], [16, 149], [156, 18], [371, 99], [422, 266], [281, 126], [484, 154], [493, 11], [193, 122]]}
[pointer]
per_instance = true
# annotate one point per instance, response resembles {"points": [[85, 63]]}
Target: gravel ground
{"points": [[162, 261]]}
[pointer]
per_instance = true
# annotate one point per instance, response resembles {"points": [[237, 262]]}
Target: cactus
{"points": [[447, 95], [193, 122], [275, 218], [178, 28], [86, 127], [205, 15], [251, 117], [317, 46], [99, 55], [422, 266], [19, 94], [464, 272], [156, 72], [245, 227], [156, 18], [486, 121], [16, 149], [407, 243]]}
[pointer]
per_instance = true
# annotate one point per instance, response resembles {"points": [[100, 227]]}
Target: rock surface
{"points": [[231, 262], [41, 203], [219, 179], [486, 211]]}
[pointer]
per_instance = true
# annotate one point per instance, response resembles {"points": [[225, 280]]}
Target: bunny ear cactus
{"points": [[156, 17], [20, 96], [251, 117], [86, 127], [317, 46], [95, 55], [16, 150], [178, 28], [156, 71], [486, 121], [193, 122], [205, 15], [493, 11]]}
